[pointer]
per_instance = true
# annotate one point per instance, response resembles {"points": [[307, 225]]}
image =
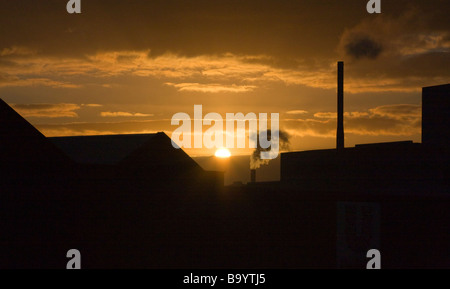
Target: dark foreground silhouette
{"points": [[136, 202]]}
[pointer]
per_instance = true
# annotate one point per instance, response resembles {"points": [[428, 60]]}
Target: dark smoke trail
{"points": [[255, 158]]}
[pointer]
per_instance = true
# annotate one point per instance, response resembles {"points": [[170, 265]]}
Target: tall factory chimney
{"points": [[340, 107]]}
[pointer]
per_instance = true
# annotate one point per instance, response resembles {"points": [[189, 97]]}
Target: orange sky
{"points": [[127, 68]]}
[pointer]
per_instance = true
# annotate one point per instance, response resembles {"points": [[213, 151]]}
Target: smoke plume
{"points": [[255, 158]]}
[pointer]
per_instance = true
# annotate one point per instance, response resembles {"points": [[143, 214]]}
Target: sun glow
{"points": [[222, 153]]}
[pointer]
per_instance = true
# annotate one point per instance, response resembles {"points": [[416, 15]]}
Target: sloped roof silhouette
{"points": [[129, 150], [159, 151], [100, 149], [22, 142]]}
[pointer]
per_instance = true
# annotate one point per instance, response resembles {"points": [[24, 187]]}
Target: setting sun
{"points": [[222, 153]]}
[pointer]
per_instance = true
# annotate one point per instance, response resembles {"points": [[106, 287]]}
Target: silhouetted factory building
{"points": [[136, 161], [118, 195], [398, 166], [26, 156], [389, 196], [146, 162], [371, 167], [436, 116]]}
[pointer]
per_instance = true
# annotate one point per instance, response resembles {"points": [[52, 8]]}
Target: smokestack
{"points": [[340, 107], [253, 176]]}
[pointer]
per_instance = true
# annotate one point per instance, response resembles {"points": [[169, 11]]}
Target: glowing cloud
{"points": [[46, 110], [212, 88], [123, 114]]}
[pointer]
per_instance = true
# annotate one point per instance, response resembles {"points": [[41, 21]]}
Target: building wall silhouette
{"points": [[436, 116], [118, 199], [396, 166]]}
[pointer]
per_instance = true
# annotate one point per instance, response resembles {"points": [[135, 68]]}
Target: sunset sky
{"points": [[129, 66]]}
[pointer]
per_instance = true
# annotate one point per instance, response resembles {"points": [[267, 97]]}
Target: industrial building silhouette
{"points": [[394, 196], [133, 201], [142, 161], [389, 167]]}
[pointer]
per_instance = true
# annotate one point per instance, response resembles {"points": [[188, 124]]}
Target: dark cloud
{"points": [[362, 46], [286, 29], [279, 28], [411, 49]]}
